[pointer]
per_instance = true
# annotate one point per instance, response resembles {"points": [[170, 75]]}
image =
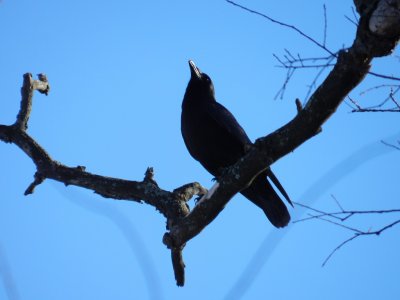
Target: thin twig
{"points": [[281, 92], [343, 215], [391, 145], [374, 110], [356, 235], [378, 107], [384, 76], [337, 202], [307, 66], [350, 20], [338, 247], [377, 87], [339, 224], [314, 82], [325, 24], [282, 24], [391, 95]]}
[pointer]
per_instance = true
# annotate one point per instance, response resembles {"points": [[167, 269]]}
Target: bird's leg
{"points": [[200, 197], [197, 199]]}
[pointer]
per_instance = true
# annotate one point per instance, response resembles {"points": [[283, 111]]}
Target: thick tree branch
{"points": [[350, 69], [171, 204], [352, 65]]}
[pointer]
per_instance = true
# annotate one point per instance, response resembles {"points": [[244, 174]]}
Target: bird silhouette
{"points": [[215, 139]]}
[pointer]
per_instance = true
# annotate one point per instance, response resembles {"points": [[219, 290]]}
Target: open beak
{"points": [[194, 71]]}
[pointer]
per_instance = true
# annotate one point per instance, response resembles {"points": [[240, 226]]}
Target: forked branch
{"points": [[171, 204], [341, 217], [351, 66]]}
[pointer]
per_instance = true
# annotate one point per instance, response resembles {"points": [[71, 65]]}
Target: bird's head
{"points": [[200, 85]]}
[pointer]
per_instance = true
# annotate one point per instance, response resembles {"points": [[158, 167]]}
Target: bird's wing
{"points": [[230, 125], [227, 122]]}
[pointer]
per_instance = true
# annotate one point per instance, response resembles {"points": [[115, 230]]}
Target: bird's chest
{"points": [[208, 141], [198, 126]]}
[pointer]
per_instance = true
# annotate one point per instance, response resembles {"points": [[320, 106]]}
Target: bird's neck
{"points": [[196, 98]]}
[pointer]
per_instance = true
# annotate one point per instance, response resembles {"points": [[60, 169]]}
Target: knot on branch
{"points": [[385, 19], [168, 241], [299, 106], [81, 168], [379, 28], [6, 134], [149, 176]]}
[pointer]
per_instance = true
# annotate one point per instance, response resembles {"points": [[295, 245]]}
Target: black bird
{"points": [[214, 138]]}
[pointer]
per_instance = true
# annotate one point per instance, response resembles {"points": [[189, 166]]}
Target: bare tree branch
{"points": [[338, 248], [338, 218], [391, 145], [27, 90], [171, 204], [354, 21], [379, 107], [342, 215], [281, 24], [384, 76], [351, 66], [325, 25], [291, 63], [357, 235]]}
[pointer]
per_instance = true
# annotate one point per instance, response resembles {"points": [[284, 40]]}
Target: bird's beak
{"points": [[194, 71]]}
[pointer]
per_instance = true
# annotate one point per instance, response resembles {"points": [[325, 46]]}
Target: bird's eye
{"points": [[206, 78]]}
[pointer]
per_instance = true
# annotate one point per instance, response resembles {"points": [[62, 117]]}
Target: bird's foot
{"points": [[197, 199], [209, 193]]}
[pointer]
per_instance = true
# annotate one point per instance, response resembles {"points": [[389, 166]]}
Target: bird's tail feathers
{"points": [[279, 186], [261, 193]]}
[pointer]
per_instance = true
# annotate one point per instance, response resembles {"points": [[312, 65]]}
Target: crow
{"points": [[215, 139]]}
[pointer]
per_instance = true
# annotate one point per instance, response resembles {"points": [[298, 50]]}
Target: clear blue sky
{"points": [[118, 71]]}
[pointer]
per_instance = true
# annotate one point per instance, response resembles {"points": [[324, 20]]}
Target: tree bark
{"points": [[377, 35]]}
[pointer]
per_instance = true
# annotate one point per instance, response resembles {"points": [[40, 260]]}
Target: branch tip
{"points": [[177, 259], [299, 106], [42, 85], [38, 179], [28, 87], [179, 266], [81, 168], [149, 176], [42, 77]]}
